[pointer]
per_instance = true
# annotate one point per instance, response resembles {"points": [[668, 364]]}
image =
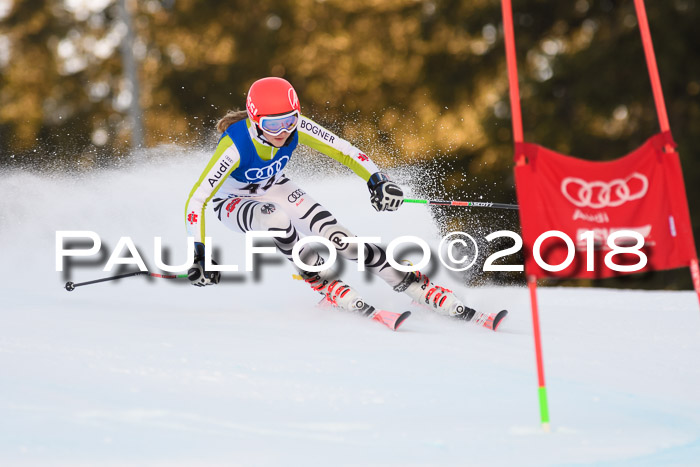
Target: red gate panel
{"points": [[642, 191]]}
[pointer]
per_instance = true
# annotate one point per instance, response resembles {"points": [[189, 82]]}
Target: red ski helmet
{"points": [[271, 96]]}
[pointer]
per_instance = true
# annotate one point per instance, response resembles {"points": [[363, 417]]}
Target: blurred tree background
{"points": [[410, 81]]}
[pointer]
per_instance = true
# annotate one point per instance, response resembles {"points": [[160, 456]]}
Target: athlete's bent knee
{"points": [[337, 236]]}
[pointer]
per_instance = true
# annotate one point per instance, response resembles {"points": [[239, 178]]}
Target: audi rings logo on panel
{"points": [[295, 195], [598, 194], [263, 173]]}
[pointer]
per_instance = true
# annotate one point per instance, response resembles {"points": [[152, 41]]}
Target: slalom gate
{"points": [[642, 193]]}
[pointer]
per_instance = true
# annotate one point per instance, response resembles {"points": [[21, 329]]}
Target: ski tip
{"points": [[498, 319], [401, 319], [390, 319]]}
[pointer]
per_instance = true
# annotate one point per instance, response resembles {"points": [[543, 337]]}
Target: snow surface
{"points": [[156, 372]]}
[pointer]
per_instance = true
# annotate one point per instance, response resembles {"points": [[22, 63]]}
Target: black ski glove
{"points": [[385, 195], [196, 274]]}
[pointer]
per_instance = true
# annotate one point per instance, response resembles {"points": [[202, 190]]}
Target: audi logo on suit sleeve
{"points": [[598, 194]]}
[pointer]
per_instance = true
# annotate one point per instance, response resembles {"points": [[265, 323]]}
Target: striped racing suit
{"points": [[245, 181]]}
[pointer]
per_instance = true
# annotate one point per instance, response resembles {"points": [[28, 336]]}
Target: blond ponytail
{"points": [[231, 117]]}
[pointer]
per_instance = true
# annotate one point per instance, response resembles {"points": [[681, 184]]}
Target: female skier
{"points": [[245, 180]]}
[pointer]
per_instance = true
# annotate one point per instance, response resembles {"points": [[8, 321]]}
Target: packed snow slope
{"points": [[249, 372]]}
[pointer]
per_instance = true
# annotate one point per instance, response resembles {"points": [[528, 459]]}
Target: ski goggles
{"points": [[276, 124]]}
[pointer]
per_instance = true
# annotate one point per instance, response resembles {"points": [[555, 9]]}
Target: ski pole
{"points": [[70, 286], [471, 204]]}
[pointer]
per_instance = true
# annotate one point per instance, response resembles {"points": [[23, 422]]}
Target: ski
{"points": [[489, 320], [387, 318]]}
